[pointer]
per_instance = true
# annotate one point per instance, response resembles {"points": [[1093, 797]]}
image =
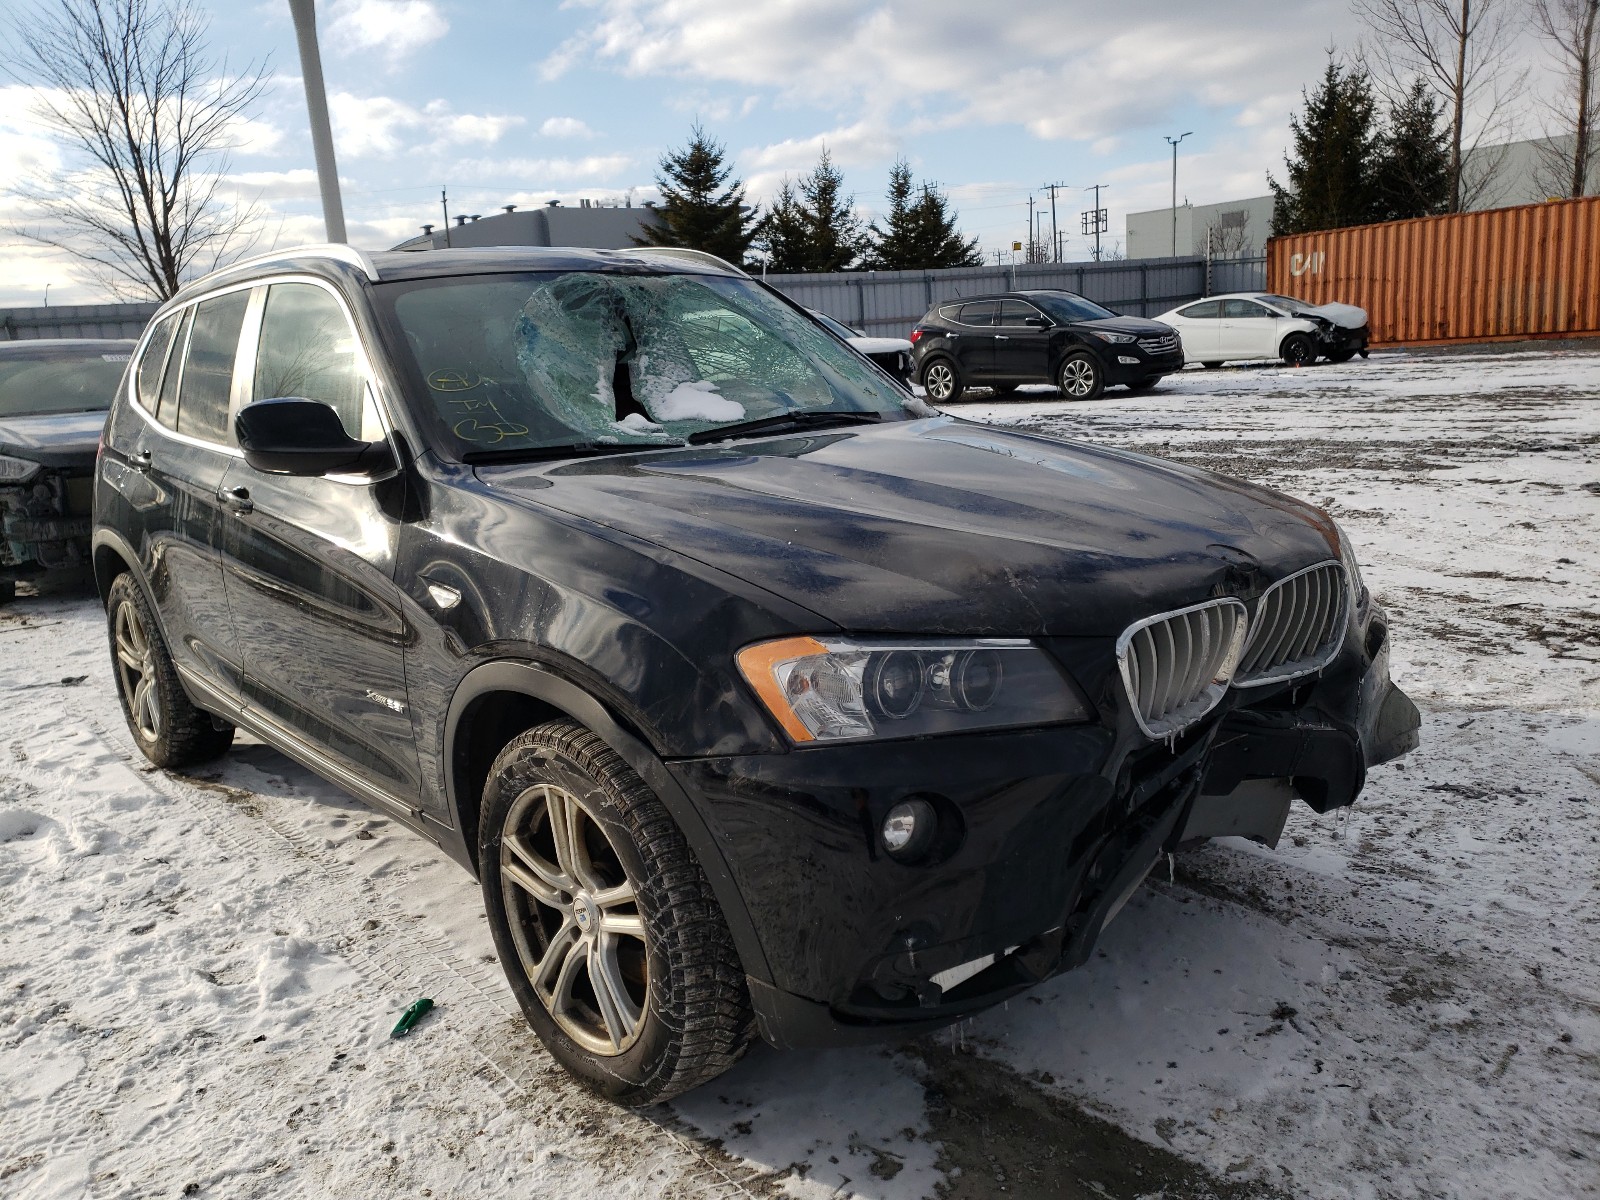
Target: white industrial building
{"points": [[588, 224], [1514, 173]]}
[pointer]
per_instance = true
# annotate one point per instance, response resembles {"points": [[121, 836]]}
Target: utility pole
{"points": [[444, 202], [1098, 224], [1028, 254], [305, 32], [1055, 239], [1174, 142]]}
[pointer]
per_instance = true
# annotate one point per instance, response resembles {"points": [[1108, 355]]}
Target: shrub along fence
{"points": [[889, 303]]}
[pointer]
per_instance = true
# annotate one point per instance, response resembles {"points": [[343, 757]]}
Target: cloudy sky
{"points": [[524, 102]]}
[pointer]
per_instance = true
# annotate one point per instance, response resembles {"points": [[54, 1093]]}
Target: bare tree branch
{"points": [[1464, 50], [1571, 30], [145, 115]]}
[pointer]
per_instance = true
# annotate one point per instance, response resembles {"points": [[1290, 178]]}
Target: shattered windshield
{"points": [[549, 359]]}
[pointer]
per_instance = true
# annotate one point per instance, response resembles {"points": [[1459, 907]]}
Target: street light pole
{"points": [[1175, 142], [305, 32]]}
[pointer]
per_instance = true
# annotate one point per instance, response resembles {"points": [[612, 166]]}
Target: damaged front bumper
{"points": [[45, 522], [1057, 828]]}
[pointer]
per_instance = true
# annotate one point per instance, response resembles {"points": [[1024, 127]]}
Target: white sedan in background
{"points": [[1253, 325], [892, 354]]}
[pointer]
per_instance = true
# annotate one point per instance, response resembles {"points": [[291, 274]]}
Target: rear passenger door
{"points": [[1201, 330], [310, 561], [972, 339], [183, 454], [1021, 351]]}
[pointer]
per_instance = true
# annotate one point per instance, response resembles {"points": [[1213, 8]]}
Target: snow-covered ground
{"points": [[198, 975]]}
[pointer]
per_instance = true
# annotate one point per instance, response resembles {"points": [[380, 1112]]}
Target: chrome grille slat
{"points": [[1176, 666], [1298, 626]]}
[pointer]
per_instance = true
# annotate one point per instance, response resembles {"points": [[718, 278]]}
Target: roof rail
{"points": [[684, 254], [338, 251]]}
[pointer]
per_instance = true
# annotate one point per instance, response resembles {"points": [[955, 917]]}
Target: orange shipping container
{"points": [[1532, 271]]}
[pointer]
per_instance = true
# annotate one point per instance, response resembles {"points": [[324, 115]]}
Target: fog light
{"points": [[1126, 361], [909, 828]]}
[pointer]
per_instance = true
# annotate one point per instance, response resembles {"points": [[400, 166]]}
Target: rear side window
{"points": [[1205, 310], [308, 350], [155, 357], [208, 369], [981, 313], [167, 410]]}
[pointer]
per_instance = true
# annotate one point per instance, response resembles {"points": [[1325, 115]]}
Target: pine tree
{"points": [[943, 245], [1331, 178], [816, 229], [1413, 168], [701, 208], [920, 233], [785, 232], [836, 235]]}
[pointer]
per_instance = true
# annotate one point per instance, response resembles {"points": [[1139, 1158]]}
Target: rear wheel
{"points": [[167, 727], [1080, 377], [1298, 350], [942, 381], [610, 934], [1212, 365]]}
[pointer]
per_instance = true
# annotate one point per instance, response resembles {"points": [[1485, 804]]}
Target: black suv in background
{"points": [[1002, 341], [761, 698]]}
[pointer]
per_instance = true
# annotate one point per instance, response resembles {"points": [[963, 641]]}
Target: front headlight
{"points": [[17, 470], [1119, 339], [838, 690]]}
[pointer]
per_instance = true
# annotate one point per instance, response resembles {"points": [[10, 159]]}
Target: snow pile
{"points": [[696, 402]]}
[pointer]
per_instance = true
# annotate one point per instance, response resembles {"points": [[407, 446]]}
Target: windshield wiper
{"points": [[782, 423], [567, 450]]}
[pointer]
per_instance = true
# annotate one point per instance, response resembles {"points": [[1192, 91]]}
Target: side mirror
{"points": [[1036, 322], [290, 436]]}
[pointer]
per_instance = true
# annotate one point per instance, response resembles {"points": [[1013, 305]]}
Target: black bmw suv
{"points": [[762, 698], [1003, 341]]}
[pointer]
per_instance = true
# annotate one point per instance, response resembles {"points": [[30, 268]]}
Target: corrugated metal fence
{"points": [[889, 303], [74, 321], [1530, 271], [884, 303]]}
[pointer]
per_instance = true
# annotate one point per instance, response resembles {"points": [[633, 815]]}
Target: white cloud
{"points": [[393, 29], [381, 126], [598, 169], [565, 127]]}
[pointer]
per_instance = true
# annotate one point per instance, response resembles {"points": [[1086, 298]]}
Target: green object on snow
{"points": [[410, 1017]]}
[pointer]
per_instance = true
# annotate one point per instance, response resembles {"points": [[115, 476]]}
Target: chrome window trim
{"points": [[958, 305], [251, 331]]}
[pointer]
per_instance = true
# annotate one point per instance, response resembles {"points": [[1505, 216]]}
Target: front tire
{"points": [[610, 934], [166, 726], [1080, 377], [941, 379], [1298, 350]]}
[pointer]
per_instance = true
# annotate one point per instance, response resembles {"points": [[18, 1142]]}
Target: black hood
{"points": [[946, 527], [54, 439], [1138, 326]]}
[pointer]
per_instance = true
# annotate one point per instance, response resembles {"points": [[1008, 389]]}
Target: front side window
{"points": [[1069, 306], [1238, 310], [208, 368], [549, 359], [307, 350], [38, 380]]}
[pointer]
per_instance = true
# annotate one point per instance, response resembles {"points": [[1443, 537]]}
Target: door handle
{"points": [[1002, 337], [236, 499], [139, 460]]}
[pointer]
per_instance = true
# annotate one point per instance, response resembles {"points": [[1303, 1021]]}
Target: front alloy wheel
{"points": [[1080, 377], [577, 929], [611, 936]]}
